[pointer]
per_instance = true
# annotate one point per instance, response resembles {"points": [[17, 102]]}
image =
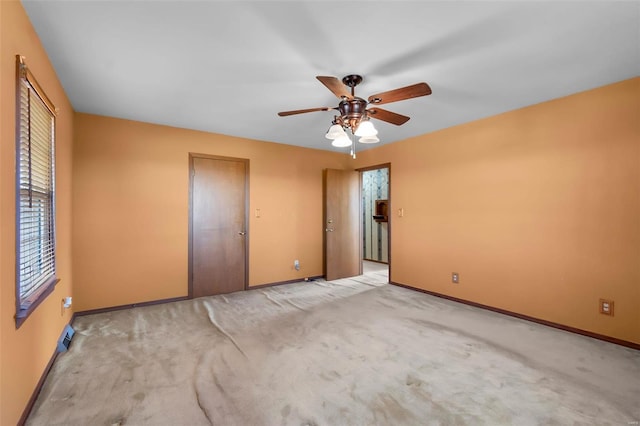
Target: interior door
{"points": [[218, 231], [342, 256]]}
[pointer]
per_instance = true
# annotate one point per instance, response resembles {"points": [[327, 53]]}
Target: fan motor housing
{"points": [[354, 108]]}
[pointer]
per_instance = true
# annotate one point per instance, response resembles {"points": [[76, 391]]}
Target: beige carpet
{"points": [[349, 352]]}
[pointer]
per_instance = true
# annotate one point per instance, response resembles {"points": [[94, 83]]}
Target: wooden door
{"points": [[218, 231], [342, 254]]}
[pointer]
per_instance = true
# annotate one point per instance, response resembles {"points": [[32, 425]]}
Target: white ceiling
{"points": [[229, 67]]}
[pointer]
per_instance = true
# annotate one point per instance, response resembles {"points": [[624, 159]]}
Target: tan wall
{"points": [[131, 183], [537, 209], [24, 353]]}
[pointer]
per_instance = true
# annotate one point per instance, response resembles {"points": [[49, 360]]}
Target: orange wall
{"points": [[131, 198], [537, 209], [24, 353]]}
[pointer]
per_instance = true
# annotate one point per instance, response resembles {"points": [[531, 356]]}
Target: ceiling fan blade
{"points": [[413, 91], [336, 86], [302, 111], [388, 116]]}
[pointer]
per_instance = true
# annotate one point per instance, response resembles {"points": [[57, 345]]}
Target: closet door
{"points": [[218, 225]]}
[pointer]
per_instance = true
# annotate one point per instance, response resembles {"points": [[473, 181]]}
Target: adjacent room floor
{"points": [[349, 352], [369, 267]]}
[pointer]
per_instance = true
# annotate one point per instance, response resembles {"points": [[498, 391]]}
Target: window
{"points": [[35, 194]]}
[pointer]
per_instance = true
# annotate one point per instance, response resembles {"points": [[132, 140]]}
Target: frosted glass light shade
{"points": [[335, 132], [342, 141], [366, 129], [369, 139]]}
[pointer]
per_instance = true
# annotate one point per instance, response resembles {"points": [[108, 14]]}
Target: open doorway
{"points": [[375, 218]]}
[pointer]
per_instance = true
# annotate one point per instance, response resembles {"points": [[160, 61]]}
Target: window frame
{"points": [[25, 305]]}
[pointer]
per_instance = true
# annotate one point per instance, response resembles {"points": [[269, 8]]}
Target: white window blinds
{"points": [[36, 268]]}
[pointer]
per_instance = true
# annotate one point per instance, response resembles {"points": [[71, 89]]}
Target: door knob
{"points": [[242, 233], [329, 229]]}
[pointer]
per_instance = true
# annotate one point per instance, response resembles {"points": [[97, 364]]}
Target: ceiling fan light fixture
{"points": [[369, 139], [366, 129], [335, 131], [342, 141], [353, 115]]}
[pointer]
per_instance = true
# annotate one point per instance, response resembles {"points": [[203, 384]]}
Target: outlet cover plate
{"points": [[606, 307], [455, 277]]}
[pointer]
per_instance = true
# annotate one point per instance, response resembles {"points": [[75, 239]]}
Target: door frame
{"points": [[193, 155], [389, 222]]}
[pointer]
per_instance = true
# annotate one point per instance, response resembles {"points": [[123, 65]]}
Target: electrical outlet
{"points": [[455, 278], [296, 264], [606, 307]]}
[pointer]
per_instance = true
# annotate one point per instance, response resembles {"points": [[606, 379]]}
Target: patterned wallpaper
{"points": [[375, 186]]}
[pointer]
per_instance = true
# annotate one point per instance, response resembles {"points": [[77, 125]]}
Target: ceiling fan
{"points": [[353, 110]]}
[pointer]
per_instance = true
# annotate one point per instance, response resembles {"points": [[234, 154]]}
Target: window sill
{"points": [[23, 312]]}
